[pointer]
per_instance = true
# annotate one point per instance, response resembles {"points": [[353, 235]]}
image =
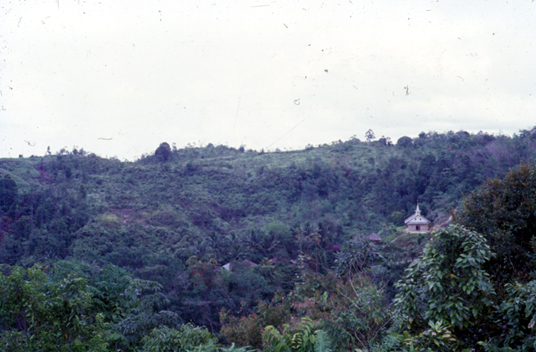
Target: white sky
{"points": [[265, 74]]}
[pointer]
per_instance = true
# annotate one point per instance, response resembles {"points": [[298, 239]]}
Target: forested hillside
{"points": [[284, 220]]}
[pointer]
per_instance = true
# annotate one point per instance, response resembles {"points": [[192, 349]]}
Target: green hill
{"points": [[165, 216]]}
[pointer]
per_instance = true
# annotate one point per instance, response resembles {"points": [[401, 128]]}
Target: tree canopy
{"points": [[233, 241]]}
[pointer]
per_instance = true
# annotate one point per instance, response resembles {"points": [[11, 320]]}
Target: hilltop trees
{"points": [[369, 135], [404, 142], [163, 152]]}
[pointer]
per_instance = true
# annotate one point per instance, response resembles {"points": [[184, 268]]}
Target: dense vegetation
{"points": [[101, 254]]}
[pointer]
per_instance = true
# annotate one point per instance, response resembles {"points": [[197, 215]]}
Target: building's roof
{"points": [[417, 218], [247, 263], [410, 218]]}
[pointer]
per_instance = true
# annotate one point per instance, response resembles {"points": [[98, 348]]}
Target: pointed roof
{"points": [[417, 218]]}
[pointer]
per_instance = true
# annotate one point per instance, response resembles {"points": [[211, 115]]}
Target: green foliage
{"points": [[404, 142], [146, 310], [42, 315], [187, 338], [8, 192], [518, 313], [448, 285], [302, 338], [359, 314], [233, 348], [177, 216], [163, 152], [247, 330], [437, 338], [370, 135], [356, 257], [397, 218], [504, 211], [78, 307], [350, 313], [486, 299]]}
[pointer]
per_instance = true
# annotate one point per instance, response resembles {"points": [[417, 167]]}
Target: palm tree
{"points": [[308, 240]]}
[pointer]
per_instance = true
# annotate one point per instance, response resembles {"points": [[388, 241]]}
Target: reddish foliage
{"points": [[247, 330]]}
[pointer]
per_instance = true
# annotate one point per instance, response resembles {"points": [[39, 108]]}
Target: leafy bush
{"points": [[303, 338], [187, 338], [449, 285], [247, 330], [503, 210], [37, 314]]}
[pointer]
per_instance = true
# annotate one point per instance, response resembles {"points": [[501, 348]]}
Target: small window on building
{"points": [[417, 227]]}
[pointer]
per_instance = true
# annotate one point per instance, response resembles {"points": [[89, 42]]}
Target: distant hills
{"points": [[352, 187], [153, 215]]}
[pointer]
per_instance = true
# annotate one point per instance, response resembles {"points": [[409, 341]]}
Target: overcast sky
{"points": [[118, 77]]}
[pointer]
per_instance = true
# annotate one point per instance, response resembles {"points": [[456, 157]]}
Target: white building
{"points": [[418, 223]]}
